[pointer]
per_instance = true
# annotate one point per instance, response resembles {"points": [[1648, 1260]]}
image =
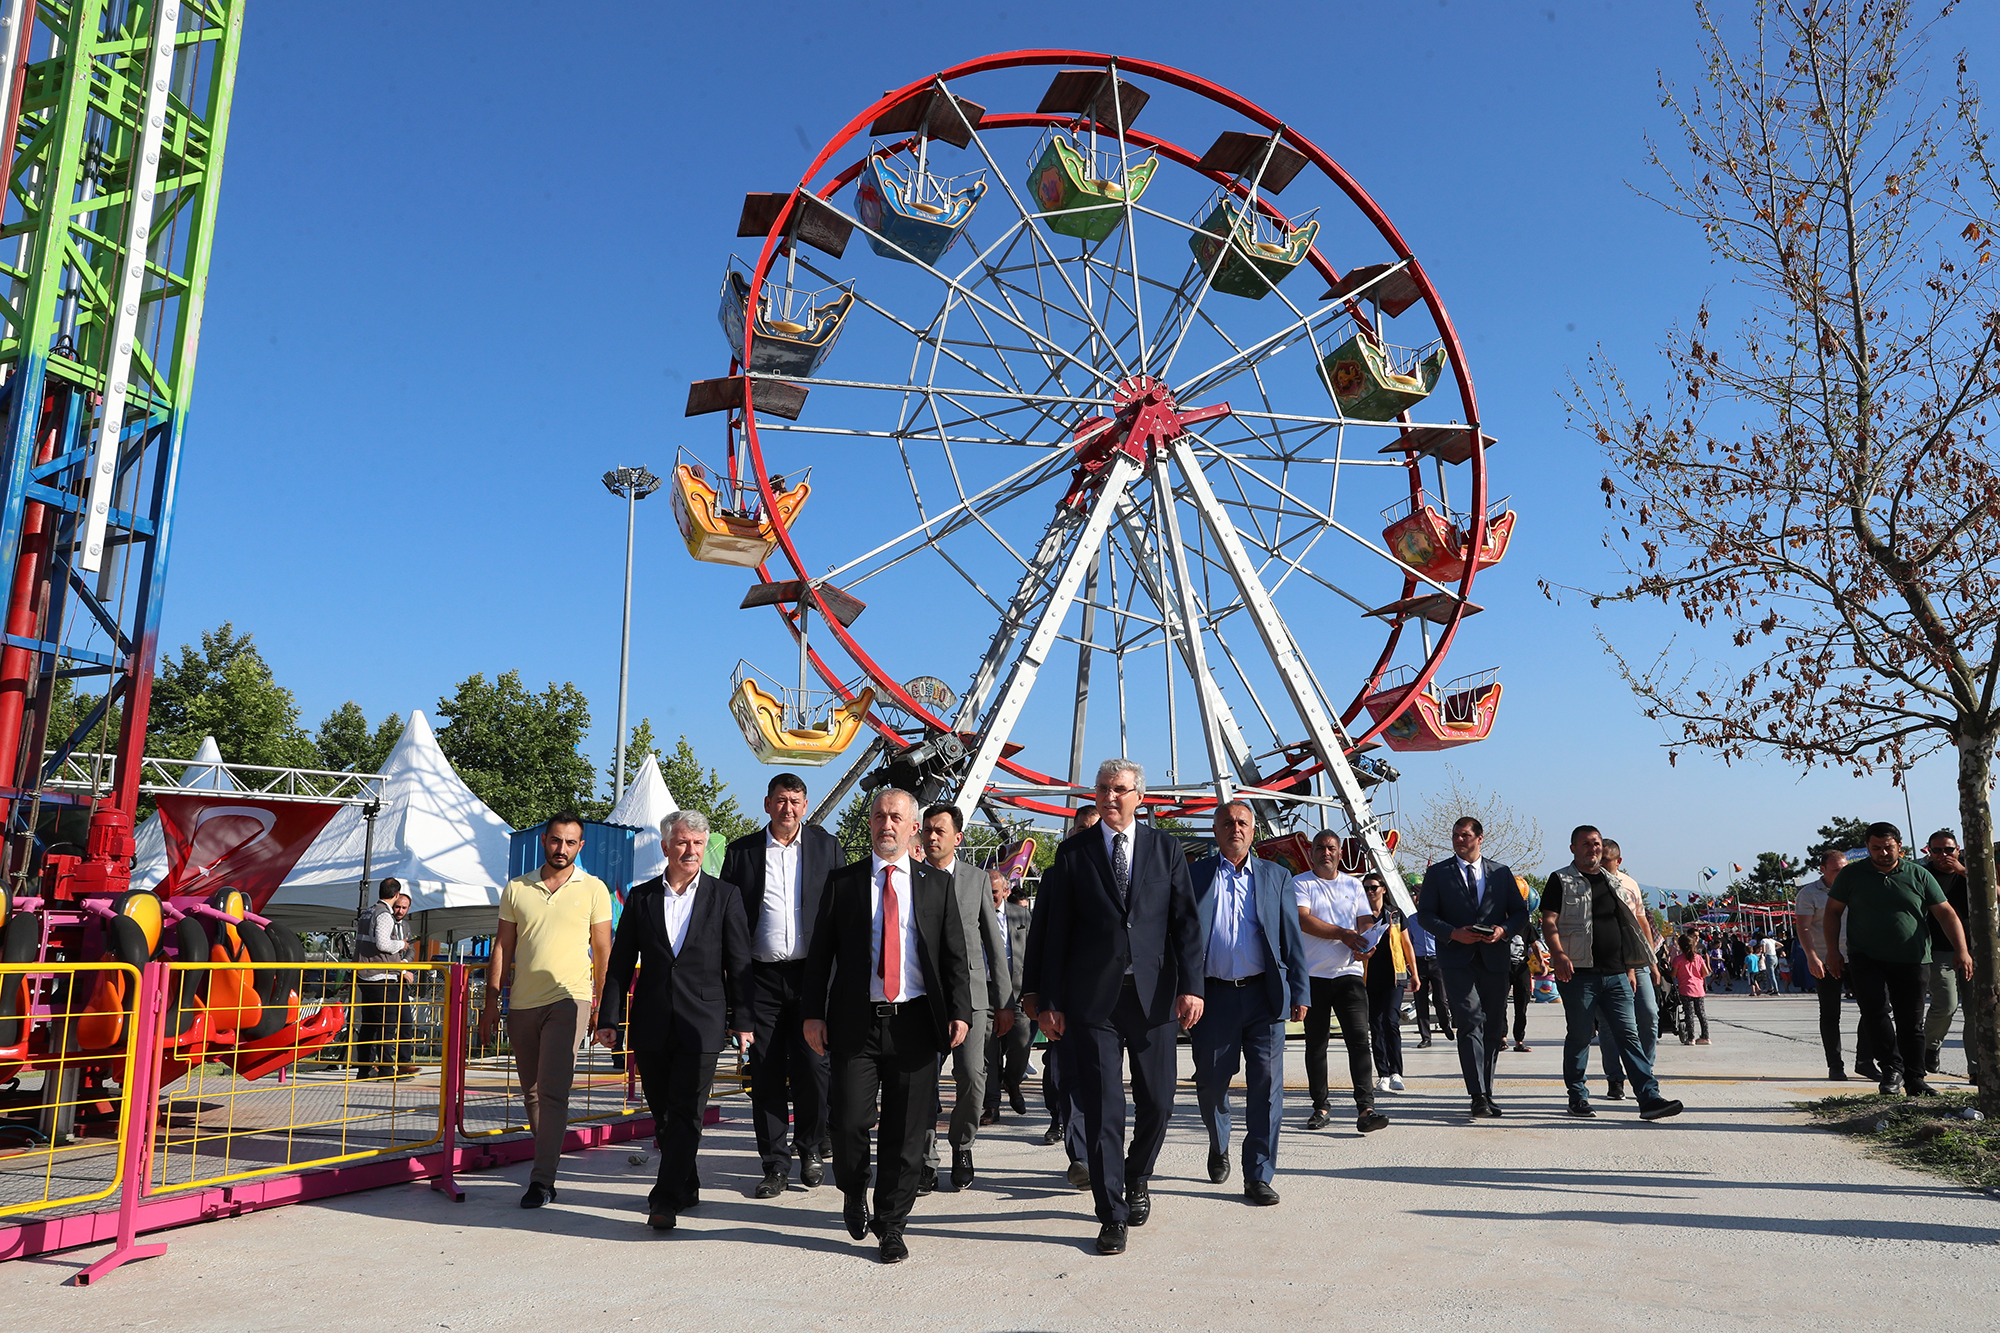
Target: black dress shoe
{"points": [[1659, 1110], [1920, 1089], [1138, 1203], [1111, 1238], [989, 1116], [1320, 1118], [812, 1172], [1581, 1108], [773, 1183], [660, 1221], [538, 1194], [1218, 1167], [1053, 1134], [1260, 1193], [1837, 1074], [1423, 1043], [893, 1249], [961, 1168], [854, 1212], [1483, 1109], [1887, 1085], [1017, 1101], [926, 1181], [1079, 1175], [1371, 1121]]}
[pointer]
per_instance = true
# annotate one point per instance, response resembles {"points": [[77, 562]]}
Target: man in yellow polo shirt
{"points": [[555, 931]]}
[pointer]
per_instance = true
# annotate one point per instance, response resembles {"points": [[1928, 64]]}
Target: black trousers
{"points": [[385, 1025], [895, 1067], [676, 1082], [1007, 1059], [1891, 996], [1385, 1023], [1345, 998], [1096, 1062], [1829, 1020], [1479, 1007], [1523, 987], [788, 1083], [1430, 990]]}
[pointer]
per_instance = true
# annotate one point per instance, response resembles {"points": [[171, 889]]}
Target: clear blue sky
{"points": [[467, 260]]}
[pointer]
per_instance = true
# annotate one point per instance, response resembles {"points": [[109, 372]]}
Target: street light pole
{"points": [[632, 484]]}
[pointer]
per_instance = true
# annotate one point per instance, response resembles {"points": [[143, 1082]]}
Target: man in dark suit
{"points": [[888, 991], [1116, 952], [1471, 905], [685, 933], [781, 871], [1256, 976], [1013, 1037]]}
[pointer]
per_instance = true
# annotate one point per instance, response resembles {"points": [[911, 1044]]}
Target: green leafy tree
{"points": [[348, 745], [640, 744], [521, 753], [67, 710], [1837, 835], [852, 826], [224, 689], [698, 788]]}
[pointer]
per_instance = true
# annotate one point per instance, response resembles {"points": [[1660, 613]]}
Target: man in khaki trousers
{"points": [[555, 932]]}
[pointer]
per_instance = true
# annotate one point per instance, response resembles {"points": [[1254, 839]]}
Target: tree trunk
{"points": [[1982, 998]]}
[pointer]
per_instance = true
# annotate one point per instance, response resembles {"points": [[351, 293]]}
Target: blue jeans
{"points": [[1589, 997], [1242, 1035], [1645, 1013]]}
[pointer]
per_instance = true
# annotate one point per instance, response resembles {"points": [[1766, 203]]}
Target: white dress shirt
{"points": [[778, 919], [676, 909], [1478, 869], [913, 971]]}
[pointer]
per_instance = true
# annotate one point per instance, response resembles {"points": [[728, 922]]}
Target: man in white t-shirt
{"points": [[1333, 913]]}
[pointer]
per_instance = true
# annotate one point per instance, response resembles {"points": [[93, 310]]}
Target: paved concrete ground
{"points": [[1735, 1207]]}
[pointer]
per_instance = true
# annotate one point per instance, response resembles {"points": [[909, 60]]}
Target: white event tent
{"points": [[203, 773], [646, 802], [445, 845]]}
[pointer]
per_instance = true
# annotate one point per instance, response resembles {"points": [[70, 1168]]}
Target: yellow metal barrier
{"points": [[64, 1043], [605, 1088], [353, 1070]]}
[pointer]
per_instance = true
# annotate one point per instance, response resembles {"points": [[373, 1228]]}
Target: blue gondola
{"points": [[795, 330], [921, 214]]}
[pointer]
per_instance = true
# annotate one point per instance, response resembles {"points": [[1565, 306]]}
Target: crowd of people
{"points": [[854, 988]]}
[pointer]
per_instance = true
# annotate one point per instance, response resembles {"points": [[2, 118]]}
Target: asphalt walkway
{"points": [[1736, 1208]]}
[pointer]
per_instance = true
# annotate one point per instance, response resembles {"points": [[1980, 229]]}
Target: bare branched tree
{"points": [[1817, 493], [1512, 838]]}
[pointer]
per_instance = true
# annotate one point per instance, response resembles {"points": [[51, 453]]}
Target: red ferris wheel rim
{"points": [[890, 690]]}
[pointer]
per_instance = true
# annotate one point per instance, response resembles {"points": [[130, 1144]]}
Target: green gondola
{"points": [[1251, 267], [1077, 203], [1366, 385]]}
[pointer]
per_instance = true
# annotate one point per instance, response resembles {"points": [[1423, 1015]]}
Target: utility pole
{"points": [[631, 484]]}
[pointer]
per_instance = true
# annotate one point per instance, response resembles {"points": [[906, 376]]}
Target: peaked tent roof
{"points": [[646, 802], [203, 773], [445, 845]]}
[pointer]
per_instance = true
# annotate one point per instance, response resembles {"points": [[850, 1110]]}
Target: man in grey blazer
{"points": [[1471, 906], [943, 833], [1256, 978], [1013, 1036]]}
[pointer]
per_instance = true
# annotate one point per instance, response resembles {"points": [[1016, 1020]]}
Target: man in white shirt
{"points": [[1333, 913], [780, 871], [1810, 904]]}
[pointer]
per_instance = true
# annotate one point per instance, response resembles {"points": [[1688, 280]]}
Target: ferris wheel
{"points": [[1051, 436]]}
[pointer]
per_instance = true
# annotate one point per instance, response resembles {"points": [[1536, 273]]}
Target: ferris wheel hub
{"points": [[1148, 421]]}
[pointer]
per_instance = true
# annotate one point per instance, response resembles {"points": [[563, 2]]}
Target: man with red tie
{"points": [[887, 991]]}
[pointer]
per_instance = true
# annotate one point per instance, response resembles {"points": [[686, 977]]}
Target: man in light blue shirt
{"points": [[1256, 977]]}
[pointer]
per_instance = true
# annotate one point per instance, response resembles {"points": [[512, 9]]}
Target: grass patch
{"points": [[1922, 1132]]}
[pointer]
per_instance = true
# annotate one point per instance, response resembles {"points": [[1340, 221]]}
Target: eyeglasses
{"points": [[1116, 791]]}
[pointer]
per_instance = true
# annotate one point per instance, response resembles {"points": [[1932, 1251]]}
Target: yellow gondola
{"points": [[762, 716], [724, 522]]}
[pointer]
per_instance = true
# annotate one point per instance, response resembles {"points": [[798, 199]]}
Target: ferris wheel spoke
{"points": [[1001, 492], [1244, 358]]}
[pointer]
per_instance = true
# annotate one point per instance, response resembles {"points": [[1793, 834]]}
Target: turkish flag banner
{"points": [[219, 839]]}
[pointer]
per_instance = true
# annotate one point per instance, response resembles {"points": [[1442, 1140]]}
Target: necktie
{"points": [[1121, 866], [1472, 886], [892, 939]]}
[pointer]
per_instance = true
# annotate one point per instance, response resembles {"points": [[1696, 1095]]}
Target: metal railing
{"points": [[62, 1120]]}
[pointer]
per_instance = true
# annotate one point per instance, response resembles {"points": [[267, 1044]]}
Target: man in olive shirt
{"points": [[551, 921], [1885, 901]]}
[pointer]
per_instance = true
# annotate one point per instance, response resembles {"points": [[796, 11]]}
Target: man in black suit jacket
{"points": [[1471, 905], [685, 932], [888, 990], [781, 871], [1116, 955]]}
